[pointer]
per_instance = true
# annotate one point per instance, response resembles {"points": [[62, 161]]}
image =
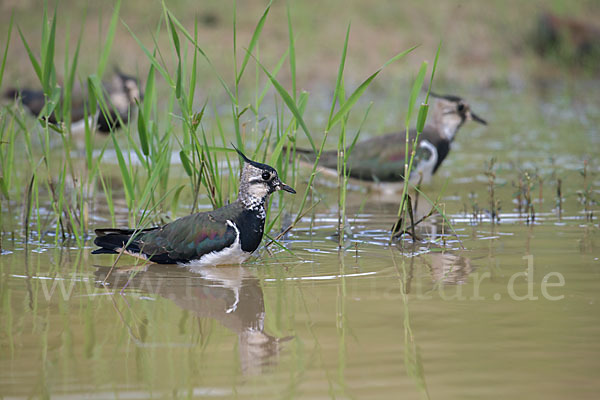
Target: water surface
{"points": [[506, 310]]}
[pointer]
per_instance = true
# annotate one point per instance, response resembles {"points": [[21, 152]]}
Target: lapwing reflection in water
{"points": [[232, 296], [449, 268], [443, 258]]}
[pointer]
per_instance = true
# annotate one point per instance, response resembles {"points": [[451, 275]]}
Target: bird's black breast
{"points": [[443, 148], [251, 224]]}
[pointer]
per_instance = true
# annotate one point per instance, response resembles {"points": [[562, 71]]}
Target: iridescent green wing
{"points": [[383, 158], [190, 237], [378, 159]]}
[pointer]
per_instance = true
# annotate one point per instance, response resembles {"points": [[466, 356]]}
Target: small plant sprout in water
{"points": [[586, 194], [528, 184], [490, 173]]}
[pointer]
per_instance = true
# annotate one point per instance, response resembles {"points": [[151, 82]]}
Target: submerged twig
{"points": [[494, 203], [559, 197], [396, 229]]}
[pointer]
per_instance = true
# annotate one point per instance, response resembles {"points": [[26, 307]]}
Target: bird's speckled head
{"points": [[257, 182], [448, 113]]}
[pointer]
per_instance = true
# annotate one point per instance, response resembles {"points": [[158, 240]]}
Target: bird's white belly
{"points": [[228, 256]]}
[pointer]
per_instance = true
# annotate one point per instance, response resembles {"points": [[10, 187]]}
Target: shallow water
{"points": [[509, 310]]}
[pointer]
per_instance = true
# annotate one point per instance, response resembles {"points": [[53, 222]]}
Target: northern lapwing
{"points": [[121, 92], [381, 159], [227, 235]]}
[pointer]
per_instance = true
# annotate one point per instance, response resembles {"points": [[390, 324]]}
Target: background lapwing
{"points": [[227, 235], [121, 92], [381, 159]]}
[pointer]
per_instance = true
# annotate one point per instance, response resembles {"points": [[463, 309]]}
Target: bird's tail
{"points": [[10, 93], [111, 240]]}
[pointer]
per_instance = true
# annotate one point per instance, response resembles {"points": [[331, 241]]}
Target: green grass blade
{"points": [[44, 43], [157, 171], [34, 62], [437, 56], [423, 110], [355, 140], [175, 39], [4, 187], [283, 139], [175, 200], [149, 92], [174, 36], [71, 77], [338, 82], [414, 93], [420, 124], [66, 98], [135, 148], [348, 104], [290, 103], [109, 198], [151, 57], [142, 131], [254, 40], [185, 162], [398, 56], [88, 137], [422, 117], [4, 56], [98, 159], [192, 86], [96, 93], [48, 57], [182, 29], [268, 84], [235, 67], [292, 50], [127, 181], [110, 35], [50, 105]]}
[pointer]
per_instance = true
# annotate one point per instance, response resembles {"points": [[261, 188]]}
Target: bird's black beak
{"points": [[287, 188], [478, 119]]}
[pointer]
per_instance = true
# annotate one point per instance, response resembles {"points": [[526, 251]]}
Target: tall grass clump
{"points": [[48, 172], [282, 133], [7, 142], [340, 116], [198, 149], [407, 207], [58, 190]]}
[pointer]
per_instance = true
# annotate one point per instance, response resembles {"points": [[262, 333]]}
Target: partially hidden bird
{"points": [[121, 91], [382, 158], [228, 235]]}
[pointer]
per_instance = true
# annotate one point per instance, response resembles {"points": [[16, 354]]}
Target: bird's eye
{"points": [[461, 107], [266, 176]]}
